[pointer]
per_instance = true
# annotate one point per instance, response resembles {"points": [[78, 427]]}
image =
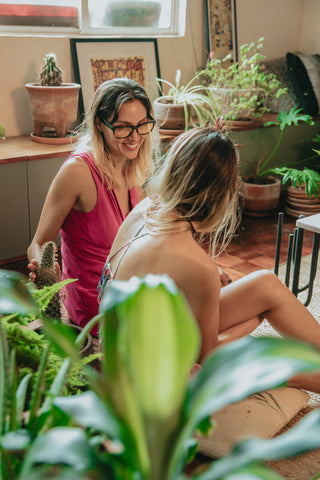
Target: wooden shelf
{"points": [[20, 149]]}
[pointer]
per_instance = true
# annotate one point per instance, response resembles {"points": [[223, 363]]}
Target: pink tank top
{"points": [[86, 240]]}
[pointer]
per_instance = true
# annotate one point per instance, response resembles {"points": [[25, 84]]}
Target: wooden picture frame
{"points": [[221, 28], [97, 59]]}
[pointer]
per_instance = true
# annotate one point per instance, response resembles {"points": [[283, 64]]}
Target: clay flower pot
{"points": [[260, 200], [54, 107], [298, 202]]}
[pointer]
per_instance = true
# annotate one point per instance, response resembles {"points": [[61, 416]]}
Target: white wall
{"points": [[278, 21], [287, 25], [310, 37]]}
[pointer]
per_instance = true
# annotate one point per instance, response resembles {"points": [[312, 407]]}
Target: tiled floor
{"points": [[254, 246], [252, 249]]}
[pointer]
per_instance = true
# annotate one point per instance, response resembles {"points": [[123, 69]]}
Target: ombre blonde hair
{"points": [[106, 103], [197, 181]]}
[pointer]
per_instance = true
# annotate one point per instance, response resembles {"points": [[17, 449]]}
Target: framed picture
{"points": [[98, 60], [222, 28]]}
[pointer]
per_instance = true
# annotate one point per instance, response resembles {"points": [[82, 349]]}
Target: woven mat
{"points": [[305, 466]]}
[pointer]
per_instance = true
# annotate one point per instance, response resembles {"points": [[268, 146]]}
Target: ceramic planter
{"points": [[298, 202], [169, 116], [225, 97], [54, 107], [260, 200]]}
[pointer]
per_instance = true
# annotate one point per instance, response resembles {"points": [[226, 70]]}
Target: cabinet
{"points": [[26, 171], [14, 217]]}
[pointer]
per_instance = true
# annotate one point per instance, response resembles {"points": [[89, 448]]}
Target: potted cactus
{"points": [[54, 104]]}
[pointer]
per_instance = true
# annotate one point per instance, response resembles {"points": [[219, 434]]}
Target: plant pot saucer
{"points": [[69, 138]]}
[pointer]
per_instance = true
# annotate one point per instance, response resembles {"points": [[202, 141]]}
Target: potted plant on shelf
{"points": [[183, 106], [54, 104], [260, 191], [241, 89]]}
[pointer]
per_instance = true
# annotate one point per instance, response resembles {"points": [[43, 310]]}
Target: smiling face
{"points": [[131, 113]]}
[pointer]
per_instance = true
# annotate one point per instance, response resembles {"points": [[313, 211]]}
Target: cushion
{"points": [[304, 72], [286, 102], [261, 415]]}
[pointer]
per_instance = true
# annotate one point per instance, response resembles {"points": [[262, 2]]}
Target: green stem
{"points": [[261, 173]]}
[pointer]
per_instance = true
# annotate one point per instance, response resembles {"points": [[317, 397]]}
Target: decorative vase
{"points": [[53, 107], [260, 200]]}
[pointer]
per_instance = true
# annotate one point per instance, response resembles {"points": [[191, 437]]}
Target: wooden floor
{"points": [[252, 249]]}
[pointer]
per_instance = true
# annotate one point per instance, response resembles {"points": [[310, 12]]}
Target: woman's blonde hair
{"points": [[105, 104], [197, 180]]}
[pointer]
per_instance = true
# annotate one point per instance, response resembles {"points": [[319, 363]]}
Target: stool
{"points": [[310, 223]]}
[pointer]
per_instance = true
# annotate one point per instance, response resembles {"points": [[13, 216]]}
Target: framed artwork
{"points": [[222, 28], [96, 60]]}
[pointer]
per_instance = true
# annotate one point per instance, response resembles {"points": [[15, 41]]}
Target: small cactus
{"points": [[51, 74], [47, 275]]}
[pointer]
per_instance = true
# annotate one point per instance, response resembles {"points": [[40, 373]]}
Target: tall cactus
{"points": [[47, 275], [51, 74]]}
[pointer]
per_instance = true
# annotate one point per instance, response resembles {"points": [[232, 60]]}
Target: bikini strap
{"points": [[126, 246]]}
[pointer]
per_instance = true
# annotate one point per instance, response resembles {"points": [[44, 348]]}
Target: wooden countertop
{"points": [[19, 149]]}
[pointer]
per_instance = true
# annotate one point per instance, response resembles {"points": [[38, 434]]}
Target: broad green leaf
{"points": [[253, 471], [299, 439], [15, 441], [151, 341], [2, 131], [88, 411], [237, 370], [14, 294], [60, 445]]}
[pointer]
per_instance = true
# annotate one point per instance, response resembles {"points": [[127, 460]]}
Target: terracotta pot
{"points": [[260, 200], [169, 116], [54, 107], [298, 202]]}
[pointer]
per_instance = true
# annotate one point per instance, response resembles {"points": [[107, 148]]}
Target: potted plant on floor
{"points": [[183, 106], [138, 418], [260, 191], [241, 89], [54, 104]]}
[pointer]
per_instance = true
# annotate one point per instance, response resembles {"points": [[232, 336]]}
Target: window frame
{"points": [[177, 27]]}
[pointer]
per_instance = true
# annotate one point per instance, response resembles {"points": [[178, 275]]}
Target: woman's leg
{"points": [[263, 294]]}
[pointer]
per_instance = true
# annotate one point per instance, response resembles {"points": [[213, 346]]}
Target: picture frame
{"points": [[221, 23], [98, 59]]}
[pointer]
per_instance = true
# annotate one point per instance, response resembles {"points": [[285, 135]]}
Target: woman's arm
{"points": [[66, 190]]}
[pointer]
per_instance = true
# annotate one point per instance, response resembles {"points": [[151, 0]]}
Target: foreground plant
{"points": [[137, 422]]}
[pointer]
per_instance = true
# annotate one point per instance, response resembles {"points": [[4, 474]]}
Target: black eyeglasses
{"points": [[126, 131]]}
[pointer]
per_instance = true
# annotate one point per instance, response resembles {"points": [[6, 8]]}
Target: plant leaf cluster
{"points": [[190, 95], [137, 420], [249, 85]]}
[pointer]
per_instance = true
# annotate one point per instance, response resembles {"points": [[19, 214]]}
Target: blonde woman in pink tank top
{"points": [[95, 189]]}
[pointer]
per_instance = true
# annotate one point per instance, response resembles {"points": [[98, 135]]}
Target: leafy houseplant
{"points": [[261, 178], [184, 105], [138, 419], [54, 104], [241, 89]]}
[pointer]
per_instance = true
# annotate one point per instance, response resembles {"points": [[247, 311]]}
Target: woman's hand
{"points": [[224, 278], [33, 267]]}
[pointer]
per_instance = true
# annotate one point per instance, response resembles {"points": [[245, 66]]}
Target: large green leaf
{"points": [[60, 445], [88, 410], [237, 370], [151, 341], [301, 438], [14, 294]]}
